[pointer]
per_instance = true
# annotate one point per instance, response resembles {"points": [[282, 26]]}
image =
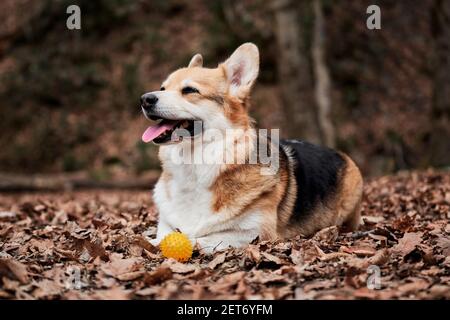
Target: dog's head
{"points": [[215, 97]]}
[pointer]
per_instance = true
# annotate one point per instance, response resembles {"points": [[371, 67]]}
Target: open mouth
{"points": [[163, 131]]}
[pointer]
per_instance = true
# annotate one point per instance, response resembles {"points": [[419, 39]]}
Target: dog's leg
{"points": [[223, 240], [163, 230], [353, 220]]}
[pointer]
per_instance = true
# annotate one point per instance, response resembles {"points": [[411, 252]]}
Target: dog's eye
{"points": [[187, 90], [162, 89]]}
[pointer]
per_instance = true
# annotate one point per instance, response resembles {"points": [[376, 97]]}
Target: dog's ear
{"points": [[241, 69], [196, 61]]}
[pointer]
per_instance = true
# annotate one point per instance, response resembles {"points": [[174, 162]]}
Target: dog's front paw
{"points": [[207, 245], [155, 242]]}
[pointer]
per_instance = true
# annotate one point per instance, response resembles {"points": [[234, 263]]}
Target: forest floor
{"points": [[91, 245]]}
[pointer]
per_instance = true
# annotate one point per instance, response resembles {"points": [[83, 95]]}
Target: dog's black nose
{"points": [[148, 101]]}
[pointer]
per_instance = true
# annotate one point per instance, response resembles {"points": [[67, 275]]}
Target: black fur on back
{"points": [[316, 171]]}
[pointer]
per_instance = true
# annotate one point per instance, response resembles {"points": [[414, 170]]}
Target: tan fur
{"points": [[236, 112], [210, 82], [165, 177], [286, 206], [349, 204], [342, 209], [238, 186], [241, 188], [212, 86]]}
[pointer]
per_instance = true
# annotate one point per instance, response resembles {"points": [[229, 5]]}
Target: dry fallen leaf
{"points": [[219, 259], [116, 293], [47, 289], [296, 257], [13, 270], [404, 224], [310, 251], [158, 276], [96, 249], [178, 267], [444, 244], [4, 231], [372, 220], [130, 275], [360, 251], [447, 227], [268, 277], [408, 243], [329, 234], [333, 255], [413, 287], [143, 243], [7, 216], [119, 266], [254, 253], [226, 282], [272, 258], [380, 258]]}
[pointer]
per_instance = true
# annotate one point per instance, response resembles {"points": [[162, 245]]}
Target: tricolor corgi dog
{"points": [[217, 199]]}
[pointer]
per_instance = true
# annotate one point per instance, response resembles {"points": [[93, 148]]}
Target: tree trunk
{"points": [[440, 113], [294, 74], [322, 78]]}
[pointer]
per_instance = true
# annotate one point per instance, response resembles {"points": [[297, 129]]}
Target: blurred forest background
{"points": [[69, 98]]}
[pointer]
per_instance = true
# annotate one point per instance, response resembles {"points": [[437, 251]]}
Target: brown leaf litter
{"points": [[94, 245]]}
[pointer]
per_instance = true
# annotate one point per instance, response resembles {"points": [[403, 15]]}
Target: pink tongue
{"points": [[155, 131]]}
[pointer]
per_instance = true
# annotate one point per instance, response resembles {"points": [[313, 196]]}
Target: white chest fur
{"points": [[185, 201]]}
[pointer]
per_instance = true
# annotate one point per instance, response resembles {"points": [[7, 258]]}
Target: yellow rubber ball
{"points": [[176, 245]]}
